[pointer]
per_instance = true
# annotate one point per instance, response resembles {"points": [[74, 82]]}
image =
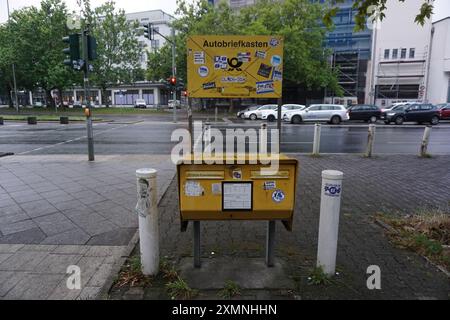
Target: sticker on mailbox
{"points": [[193, 189], [270, 185], [278, 196]]}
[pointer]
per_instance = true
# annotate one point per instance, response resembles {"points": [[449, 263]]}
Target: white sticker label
{"points": [[270, 185], [199, 57], [193, 189], [278, 196], [216, 189], [237, 196]]}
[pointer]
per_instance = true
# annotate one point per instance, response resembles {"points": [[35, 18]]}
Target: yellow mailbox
{"points": [[237, 191]]}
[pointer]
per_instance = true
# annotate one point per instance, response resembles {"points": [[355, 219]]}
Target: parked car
{"points": [[330, 113], [140, 103], [444, 111], [241, 114], [419, 113], [76, 104], [364, 112], [174, 103], [258, 113], [272, 115], [392, 106]]}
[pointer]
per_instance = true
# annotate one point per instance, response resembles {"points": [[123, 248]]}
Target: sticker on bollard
{"points": [[143, 198]]}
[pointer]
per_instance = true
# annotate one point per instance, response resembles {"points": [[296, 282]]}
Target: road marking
{"points": [[73, 140]]}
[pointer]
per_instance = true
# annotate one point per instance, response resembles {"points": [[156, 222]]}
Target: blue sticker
{"points": [[278, 196], [333, 190]]}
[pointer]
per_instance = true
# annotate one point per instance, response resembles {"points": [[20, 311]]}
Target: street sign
{"points": [[235, 66]]}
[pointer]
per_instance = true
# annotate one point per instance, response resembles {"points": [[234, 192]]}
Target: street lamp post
{"points": [[14, 71]]}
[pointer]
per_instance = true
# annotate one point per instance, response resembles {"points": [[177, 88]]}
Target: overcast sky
{"points": [[442, 9]]}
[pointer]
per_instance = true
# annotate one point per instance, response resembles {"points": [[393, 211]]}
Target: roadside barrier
{"points": [[316, 145], [370, 140], [32, 120], [64, 120], [1, 121]]}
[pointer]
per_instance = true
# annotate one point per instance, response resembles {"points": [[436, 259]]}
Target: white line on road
{"points": [[73, 140]]}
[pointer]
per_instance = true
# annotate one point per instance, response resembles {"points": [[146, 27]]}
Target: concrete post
{"points": [[330, 207], [425, 141], [370, 140], [147, 209], [316, 145]]}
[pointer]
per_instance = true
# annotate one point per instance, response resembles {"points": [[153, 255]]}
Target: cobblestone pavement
{"points": [[395, 184], [57, 211]]}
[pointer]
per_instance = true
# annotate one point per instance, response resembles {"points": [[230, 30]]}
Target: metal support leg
{"points": [[270, 244], [197, 255]]}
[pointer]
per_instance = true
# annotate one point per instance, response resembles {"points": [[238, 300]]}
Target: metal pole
{"points": [[330, 207], [90, 131], [425, 141], [216, 112], [197, 253], [174, 74], [280, 103], [14, 72], [370, 140], [316, 145], [190, 124], [270, 244], [147, 208]]}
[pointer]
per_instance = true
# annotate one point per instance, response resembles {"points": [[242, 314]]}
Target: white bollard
{"points": [[316, 145], [147, 209], [425, 141], [370, 141], [330, 207]]}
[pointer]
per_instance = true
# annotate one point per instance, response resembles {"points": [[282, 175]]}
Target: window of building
{"points": [[403, 54], [412, 53], [394, 53], [386, 53]]}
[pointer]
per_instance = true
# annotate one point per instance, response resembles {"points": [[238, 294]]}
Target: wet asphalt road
{"points": [[152, 134]]}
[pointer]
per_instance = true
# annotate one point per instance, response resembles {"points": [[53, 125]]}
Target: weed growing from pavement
{"points": [[230, 290], [426, 233], [318, 277], [131, 274], [179, 289]]}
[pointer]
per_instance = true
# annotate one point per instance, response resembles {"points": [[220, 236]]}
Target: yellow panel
{"points": [[205, 175], [235, 66]]}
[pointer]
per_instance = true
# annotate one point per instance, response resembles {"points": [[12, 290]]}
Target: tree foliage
{"points": [[365, 10], [297, 20], [31, 40], [119, 51]]}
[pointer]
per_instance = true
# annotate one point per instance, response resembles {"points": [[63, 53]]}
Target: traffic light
{"points": [[173, 81], [92, 48], [148, 31], [73, 51]]}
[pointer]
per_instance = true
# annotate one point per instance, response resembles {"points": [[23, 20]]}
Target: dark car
{"points": [[419, 113], [444, 111], [368, 113]]}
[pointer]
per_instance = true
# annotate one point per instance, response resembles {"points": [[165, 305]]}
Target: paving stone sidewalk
{"points": [[61, 210], [394, 184]]}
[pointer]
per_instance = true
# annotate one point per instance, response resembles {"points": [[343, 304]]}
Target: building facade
{"points": [[438, 83], [400, 56], [161, 23], [351, 52]]}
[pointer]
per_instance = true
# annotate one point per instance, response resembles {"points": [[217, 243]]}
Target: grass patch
{"points": [[426, 156], [230, 290], [179, 289], [131, 274], [319, 277], [426, 233]]}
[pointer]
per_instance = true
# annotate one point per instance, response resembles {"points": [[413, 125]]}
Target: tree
{"points": [[119, 52], [297, 20], [32, 41], [365, 10]]}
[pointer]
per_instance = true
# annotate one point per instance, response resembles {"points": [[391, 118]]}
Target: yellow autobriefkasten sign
{"points": [[235, 66]]}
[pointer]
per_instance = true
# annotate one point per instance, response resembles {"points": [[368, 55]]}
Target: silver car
{"points": [[331, 113]]}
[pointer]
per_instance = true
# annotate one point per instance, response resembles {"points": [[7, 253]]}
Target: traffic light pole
{"points": [[90, 131]]}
